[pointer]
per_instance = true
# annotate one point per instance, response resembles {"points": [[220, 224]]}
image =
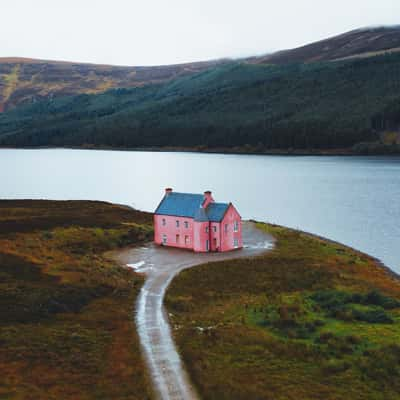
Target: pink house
{"points": [[197, 222]]}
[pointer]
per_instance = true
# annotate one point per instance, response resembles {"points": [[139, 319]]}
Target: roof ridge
{"points": [[218, 202], [194, 194]]}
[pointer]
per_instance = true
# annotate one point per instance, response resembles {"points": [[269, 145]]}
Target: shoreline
{"points": [[225, 151], [379, 262], [389, 270]]}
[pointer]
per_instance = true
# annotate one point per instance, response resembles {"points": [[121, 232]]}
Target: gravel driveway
{"points": [[160, 265]]}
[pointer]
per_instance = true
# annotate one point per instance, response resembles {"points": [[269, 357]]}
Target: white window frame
{"points": [[164, 239], [235, 242], [215, 228], [177, 223], [186, 224], [163, 222], [207, 229], [236, 226]]}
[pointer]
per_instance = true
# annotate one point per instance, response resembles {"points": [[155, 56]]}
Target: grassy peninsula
{"points": [[66, 328], [312, 319]]}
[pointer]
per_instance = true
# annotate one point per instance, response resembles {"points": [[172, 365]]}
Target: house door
{"points": [[215, 244], [207, 245]]}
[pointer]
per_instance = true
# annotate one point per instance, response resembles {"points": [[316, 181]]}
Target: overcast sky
{"points": [[153, 32]]}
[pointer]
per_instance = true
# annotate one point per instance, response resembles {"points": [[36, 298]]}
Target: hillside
{"points": [[24, 81], [359, 43], [296, 106]]}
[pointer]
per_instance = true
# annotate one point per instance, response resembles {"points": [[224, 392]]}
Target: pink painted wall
{"points": [[201, 234], [195, 235], [174, 234], [228, 234], [215, 236]]}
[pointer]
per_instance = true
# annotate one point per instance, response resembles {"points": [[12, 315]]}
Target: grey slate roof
{"points": [[201, 215], [216, 211], [189, 205]]}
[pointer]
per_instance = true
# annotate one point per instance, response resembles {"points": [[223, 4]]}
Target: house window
{"points": [[214, 228], [177, 238], [206, 229], [187, 239], [226, 228], [235, 242], [164, 222], [177, 223], [164, 239], [186, 224], [236, 226]]}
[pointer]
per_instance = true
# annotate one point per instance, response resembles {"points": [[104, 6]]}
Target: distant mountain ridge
{"points": [[359, 43], [25, 81]]}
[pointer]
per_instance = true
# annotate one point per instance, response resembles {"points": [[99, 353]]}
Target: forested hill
{"points": [[24, 80], [295, 106]]}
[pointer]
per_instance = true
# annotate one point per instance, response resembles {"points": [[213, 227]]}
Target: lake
{"points": [[354, 200]]}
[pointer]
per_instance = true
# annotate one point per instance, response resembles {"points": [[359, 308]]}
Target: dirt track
{"points": [[161, 264]]}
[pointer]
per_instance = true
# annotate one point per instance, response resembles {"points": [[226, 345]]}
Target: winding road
{"points": [[160, 265]]}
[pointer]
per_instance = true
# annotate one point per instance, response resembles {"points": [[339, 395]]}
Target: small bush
{"points": [[332, 301], [340, 305], [372, 316], [335, 366], [325, 337], [352, 339], [378, 299]]}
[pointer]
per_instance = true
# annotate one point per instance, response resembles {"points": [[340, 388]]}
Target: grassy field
{"points": [[66, 328], [310, 320]]}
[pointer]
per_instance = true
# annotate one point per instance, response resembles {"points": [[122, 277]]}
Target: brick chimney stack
{"points": [[207, 198], [168, 191]]}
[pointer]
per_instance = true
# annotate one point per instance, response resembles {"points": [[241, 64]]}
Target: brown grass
{"points": [[67, 330], [253, 329]]}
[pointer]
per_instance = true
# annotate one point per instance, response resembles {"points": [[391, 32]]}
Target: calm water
{"points": [[354, 200]]}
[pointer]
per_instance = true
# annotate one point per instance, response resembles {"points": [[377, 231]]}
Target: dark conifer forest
{"points": [[353, 104]]}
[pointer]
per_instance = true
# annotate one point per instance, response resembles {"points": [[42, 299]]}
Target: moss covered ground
{"points": [[311, 319], [66, 328]]}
